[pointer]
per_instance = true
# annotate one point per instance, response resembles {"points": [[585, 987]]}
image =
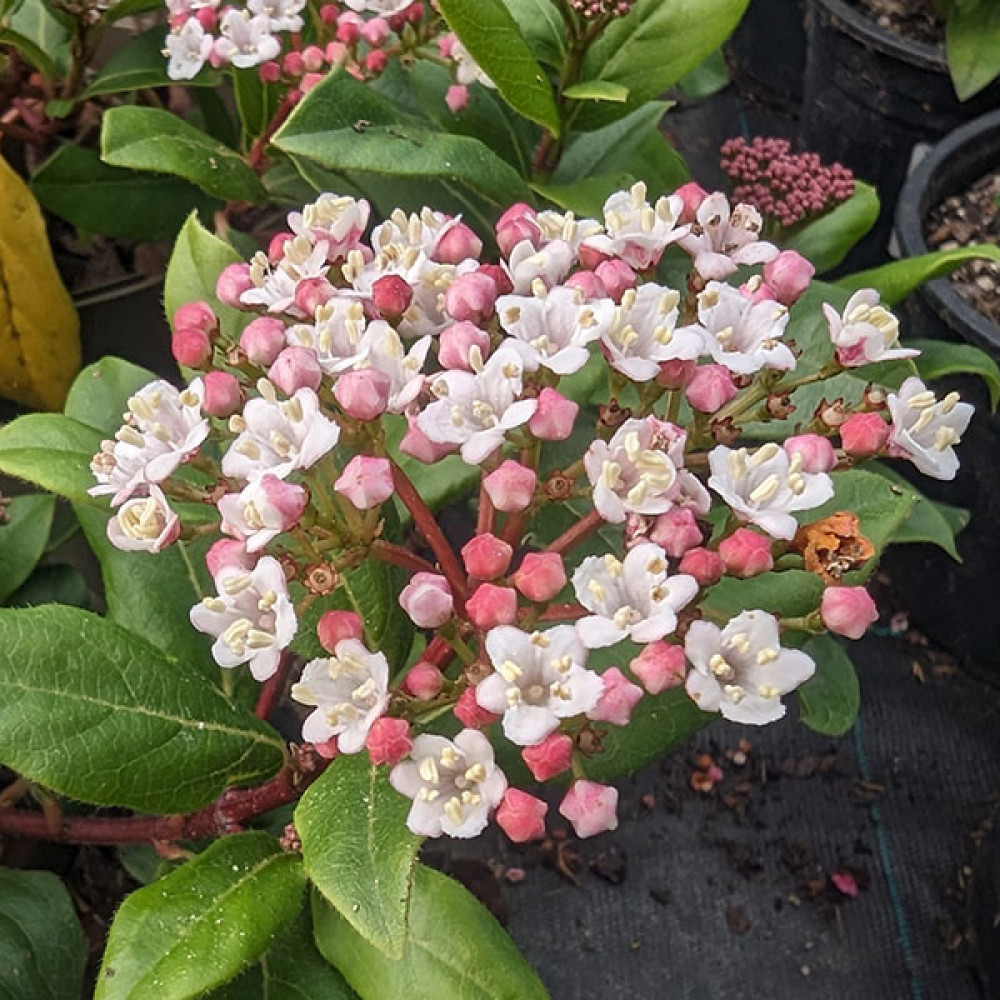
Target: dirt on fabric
{"points": [[916, 20], [973, 216]]}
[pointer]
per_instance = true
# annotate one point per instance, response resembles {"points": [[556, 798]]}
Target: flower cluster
{"points": [[348, 367], [786, 186]]}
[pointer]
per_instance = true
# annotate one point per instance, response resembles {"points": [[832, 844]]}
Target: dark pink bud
{"points": [[269, 72], [471, 297], [349, 27], [676, 532], [375, 32], [263, 339], [676, 374], [207, 18], [295, 368], [470, 713], [313, 58], [457, 98], [313, 292], [293, 64], [592, 258], [191, 348], [376, 61], [500, 277], [659, 666], [424, 681], [550, 757], [746, 553], [704, 565], [196, 316], [223, 396], [518, 231], [710, 388], [788, 276], [817, 452], [391, 296], [519, 210], [457, 243], [491, 606], [554, 416], [522, 816], [418, 445], [388, 741], [276, 246], [486, 557], [864, 434], [335, 626], [540, 576], [463, 346], [228, 552], [617, 277], [692, 195], [232, 283], [329, 13], [588, 283], [364, 393]]}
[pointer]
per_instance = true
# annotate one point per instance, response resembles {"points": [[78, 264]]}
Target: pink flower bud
{"points": [[223, 396], [540, 576], [207, 18], [424, 681], [550, 757], [391, 296], [375, 32], [457, 98], [328, 749], [517, 231], [746, 553], [617, 277], [588, 283], [366, 481], [676, 374], [446, 43], [364, 393], [619, 698], [463, 346], [314, 58], [263, 339], [329, 13], [196, 316], [676, 532], [788, 276], [293, 64], [591, 258], [419, 446], [310, 80], [511, 486], [519, 210], [313, 292], [692, 195], [276, 246], [703, 564], [336, 52], [756, 291], [427, 600], [457, 243], [591, 808], [710, 388], [491, 606], [864, 435], [470, 713], [554, 416], [228, 552], [486, 556], [349, 27], [191, 348], [295, 368], [334, 626], [269, 72], [848, 611], [659, 666], [817, 452], [499, 276], [376, 61], [522, 816], [471, 297], [388, 741]]}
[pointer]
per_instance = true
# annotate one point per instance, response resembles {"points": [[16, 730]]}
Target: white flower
{"points": [[187, 49], [636, 471], [722, 240], [744, 336], [384, 7], [475, 410], [144, 524], [282, 15], [766, 485], [275, 284], [453, 783], [415, 231], [404, 368], [246, 41], [642, 335], [636, 231], [741, 670], [336, 335], [565, 226], [164, 428], [547, 266], [279, 437], [552, 331], [262, 511], [252, 618], [349, 691], [540, 678], [634, 599], [467, 70], [865, 332], [337, 221], [924, 430]]}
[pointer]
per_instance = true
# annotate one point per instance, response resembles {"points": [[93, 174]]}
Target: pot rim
{"points": [[967, 321], [861, 27]]}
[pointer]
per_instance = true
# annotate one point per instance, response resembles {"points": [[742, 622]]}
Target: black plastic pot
{"points": [[956, 604], [870, 96], [767, 54]]}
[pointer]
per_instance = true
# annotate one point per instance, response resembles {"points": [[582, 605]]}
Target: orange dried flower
{"points": [[833, 546]]}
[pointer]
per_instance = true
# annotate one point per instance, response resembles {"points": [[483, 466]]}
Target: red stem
{"points": [[573, 536], [563, 613], [484, 522], [255, 158], [428, 527], [271, 689], [438, 652], [398, 556]]}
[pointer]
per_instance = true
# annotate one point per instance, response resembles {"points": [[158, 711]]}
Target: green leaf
{"points": [[454, 948], [597, 90], [652, 48], [57, 584], [585, 198], [42, 946], [157, 141], [707, 78], [830, 699], [790, 593], [256, 101], [50, 450], [38, 57], [826, 241], [36, 28], [199, 926], [75, 184], [358, 851], [195, 264], [129, 8], [542, 27], [99, 394], [897, 280], [487, 29], [972, 40], [23, 537], [343, 125], [940, 358], [98, 714]]}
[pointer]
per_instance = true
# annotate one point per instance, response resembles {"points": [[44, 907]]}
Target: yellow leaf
{"points": [[39, 328]]}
